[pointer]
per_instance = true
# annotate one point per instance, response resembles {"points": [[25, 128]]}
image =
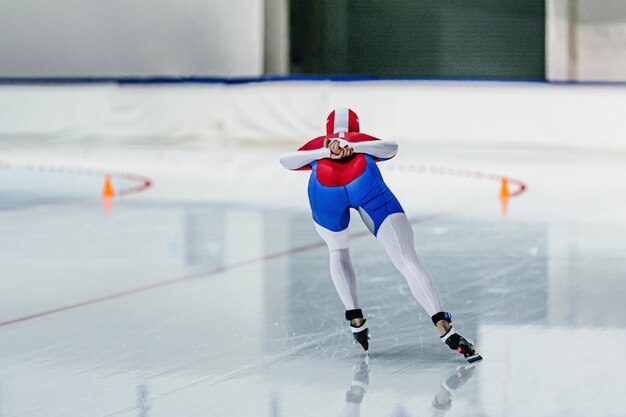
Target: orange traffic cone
{"points": [[504, 196], [504, 189], [107, 195], [107, 190]]}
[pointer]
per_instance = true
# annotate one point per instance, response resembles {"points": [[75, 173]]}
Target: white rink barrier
{"points": [[494, 114]]}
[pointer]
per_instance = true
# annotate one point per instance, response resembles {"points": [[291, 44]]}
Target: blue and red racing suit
{"points": [[335, 186]]}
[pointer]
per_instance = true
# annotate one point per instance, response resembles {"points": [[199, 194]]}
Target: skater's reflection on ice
{"points": [[441, 403], [358, 388], [451, 384], [143, 401]]}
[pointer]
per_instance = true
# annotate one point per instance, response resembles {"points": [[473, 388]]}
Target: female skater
{"points": [[344, 176]]}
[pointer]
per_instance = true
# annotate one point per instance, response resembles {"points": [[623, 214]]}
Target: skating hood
{"points": [[342, 120]]}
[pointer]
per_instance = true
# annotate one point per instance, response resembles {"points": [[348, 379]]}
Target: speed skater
{"points": [[344, 176]]}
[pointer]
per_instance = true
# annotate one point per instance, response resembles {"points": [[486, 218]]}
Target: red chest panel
{"points": [[333, 173]]}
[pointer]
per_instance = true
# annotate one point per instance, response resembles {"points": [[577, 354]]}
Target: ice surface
{"points": [[209, 293]]}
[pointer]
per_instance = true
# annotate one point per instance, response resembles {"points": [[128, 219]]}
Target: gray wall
{"points": [[116, 38]]}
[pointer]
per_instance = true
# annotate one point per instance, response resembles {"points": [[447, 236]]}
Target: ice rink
{"points": [[202, 289]]}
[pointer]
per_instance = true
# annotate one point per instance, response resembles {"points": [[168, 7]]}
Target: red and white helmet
{"points": [[342, 120]]}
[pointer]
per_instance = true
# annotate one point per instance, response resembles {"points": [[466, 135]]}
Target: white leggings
{"points": [[396, 236]]}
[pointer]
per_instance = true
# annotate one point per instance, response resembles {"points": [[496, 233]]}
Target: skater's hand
{"points": [[331, 143], [336, 151]]}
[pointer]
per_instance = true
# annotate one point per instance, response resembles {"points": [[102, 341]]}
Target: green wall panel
{"points": [[431, 39]]}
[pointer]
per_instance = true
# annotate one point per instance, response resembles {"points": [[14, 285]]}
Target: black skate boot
{"points": [[455, 341], [361, 333], [465, 347]]}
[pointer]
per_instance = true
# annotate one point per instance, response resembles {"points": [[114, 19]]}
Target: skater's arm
{"points": [[299, 159], [383, 149]]}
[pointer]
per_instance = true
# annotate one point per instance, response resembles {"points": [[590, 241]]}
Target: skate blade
{"points": [[364, 345], [474, 358]]}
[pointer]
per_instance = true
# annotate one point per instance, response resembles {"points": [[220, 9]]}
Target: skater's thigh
{"points": [[376, 210], [329, 206]]}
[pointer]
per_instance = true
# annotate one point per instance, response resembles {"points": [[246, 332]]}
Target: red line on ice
{"points": [[189, 277], [147, 183], [439, 170], [143, 182]]}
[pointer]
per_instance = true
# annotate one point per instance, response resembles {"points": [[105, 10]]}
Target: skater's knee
{"points": [[408, 255]]}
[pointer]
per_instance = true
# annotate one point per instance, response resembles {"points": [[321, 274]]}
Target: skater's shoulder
{"points": [[314, 143], [359, 137]]}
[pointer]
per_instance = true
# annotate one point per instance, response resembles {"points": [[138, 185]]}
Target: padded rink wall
{"points": [[493, 114]]}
